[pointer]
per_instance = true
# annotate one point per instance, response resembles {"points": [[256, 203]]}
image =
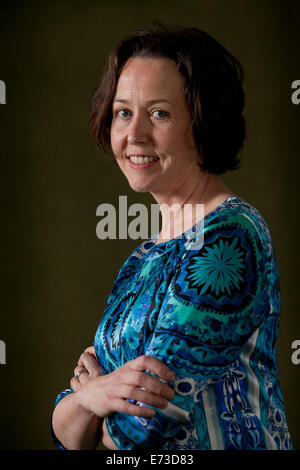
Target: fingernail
{"points": [[164, 403]]}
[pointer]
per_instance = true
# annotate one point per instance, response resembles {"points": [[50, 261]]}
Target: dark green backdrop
{"points": [[56, 274]]}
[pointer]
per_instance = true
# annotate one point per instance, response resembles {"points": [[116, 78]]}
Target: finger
{"points": [[83, 376], [75, 384], [153, 365], [150, 384], [80, 368], [124, 406], [91, 364], [91, 350], [142, 396]]}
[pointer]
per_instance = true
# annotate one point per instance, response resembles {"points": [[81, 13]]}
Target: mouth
{"points": [[142, 159]]}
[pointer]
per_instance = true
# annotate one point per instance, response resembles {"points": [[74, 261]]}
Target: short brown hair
{"points": [[213, 90]]}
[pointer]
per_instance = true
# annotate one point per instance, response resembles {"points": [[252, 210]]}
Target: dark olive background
{"points": [[56, 274]]}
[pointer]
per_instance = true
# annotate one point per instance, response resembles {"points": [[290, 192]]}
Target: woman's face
{"points": [[151, 119]]}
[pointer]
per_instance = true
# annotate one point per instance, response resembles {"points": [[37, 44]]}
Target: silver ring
{"points": [[78, 374]]}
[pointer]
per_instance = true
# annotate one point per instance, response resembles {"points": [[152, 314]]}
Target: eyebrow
{"points": [[158, 100]]}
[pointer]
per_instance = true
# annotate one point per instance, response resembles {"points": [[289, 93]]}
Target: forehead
{"points": [[150, 76]]}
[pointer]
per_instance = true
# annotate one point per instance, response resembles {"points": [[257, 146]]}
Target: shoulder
{"points": [[233, 222], [231, 261], [237, 213]]}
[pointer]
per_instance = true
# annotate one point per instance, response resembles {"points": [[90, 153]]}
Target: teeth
{"points": [[139, 160]]}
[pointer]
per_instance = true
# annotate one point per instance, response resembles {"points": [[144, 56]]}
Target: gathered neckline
{"points": [[192, 229]]}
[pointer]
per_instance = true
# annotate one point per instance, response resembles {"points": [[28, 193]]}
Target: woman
{"points": [[184, 357]]}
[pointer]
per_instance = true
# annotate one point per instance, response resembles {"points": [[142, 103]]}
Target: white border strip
{"points": [[212, 421]]}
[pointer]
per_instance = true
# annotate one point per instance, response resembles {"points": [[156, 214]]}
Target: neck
{"points": [[181, 209]]}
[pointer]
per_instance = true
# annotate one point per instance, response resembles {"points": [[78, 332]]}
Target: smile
{"points": [[138, 159]]}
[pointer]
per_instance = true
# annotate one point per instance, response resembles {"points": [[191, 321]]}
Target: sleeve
{"points": [[218, 296], [217, 299]]}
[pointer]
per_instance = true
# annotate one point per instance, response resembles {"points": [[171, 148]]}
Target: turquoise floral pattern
{"points": [[220, 268]]}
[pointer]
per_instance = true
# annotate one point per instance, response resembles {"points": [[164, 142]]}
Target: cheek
{"points": [[167, 139], [175, 141]]}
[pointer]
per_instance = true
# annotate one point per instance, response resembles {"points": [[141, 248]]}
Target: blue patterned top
{"points": [[209, 308]]}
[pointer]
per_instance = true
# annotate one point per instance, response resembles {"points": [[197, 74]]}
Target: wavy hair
{"points": [[213, 90]]}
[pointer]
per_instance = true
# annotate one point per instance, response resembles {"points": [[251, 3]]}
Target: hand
{"points": [[106, 394], [88, 362]]}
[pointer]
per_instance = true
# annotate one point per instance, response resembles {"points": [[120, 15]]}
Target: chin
{"points": [[140, 188]]}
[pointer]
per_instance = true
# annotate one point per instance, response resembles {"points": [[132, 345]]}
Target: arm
{"points": [[86, 429], [78, 418], [74, 426], [90, 426]]}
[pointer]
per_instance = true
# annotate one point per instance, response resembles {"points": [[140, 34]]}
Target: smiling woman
{"points": [[185, 354]]}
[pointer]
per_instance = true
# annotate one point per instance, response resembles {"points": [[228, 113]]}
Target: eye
{"points": [[123, 113], [160, 113]]}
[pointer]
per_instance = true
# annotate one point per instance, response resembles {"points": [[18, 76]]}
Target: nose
{"points": [[138, 131]]}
